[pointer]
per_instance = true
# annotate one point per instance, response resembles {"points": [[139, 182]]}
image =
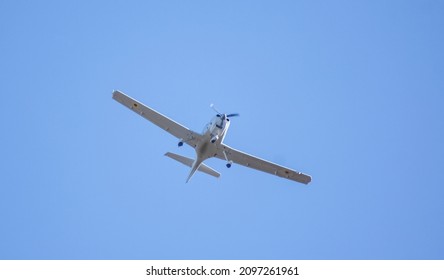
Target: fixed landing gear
{"points": [[214, 138], [185, 140], [229, 162]]}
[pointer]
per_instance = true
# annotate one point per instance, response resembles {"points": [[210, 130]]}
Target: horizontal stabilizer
{"points": [[189, 162]]}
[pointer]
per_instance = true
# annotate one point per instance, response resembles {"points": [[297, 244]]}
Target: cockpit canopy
{"points": [[217, 121]]}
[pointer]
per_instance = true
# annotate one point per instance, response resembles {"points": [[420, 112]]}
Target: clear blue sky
{"points": [[350, 93]]}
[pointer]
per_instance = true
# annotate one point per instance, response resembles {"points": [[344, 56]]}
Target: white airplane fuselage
{"points": [[213, 135]]}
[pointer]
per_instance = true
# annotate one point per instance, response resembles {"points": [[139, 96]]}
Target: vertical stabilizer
{"points": [[195, 166], [189, 162]]}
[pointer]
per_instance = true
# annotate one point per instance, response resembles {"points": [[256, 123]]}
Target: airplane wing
{"points": [[260, 164], [186, 135]]}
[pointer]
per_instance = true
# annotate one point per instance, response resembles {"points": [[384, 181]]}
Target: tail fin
{"points": [[194, 165]]}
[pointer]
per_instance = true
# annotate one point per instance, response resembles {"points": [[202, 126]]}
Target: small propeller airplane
{"points": [[208, 144]]}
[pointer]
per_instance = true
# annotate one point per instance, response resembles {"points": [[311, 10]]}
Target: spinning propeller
{"points": [[224, 115]]}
